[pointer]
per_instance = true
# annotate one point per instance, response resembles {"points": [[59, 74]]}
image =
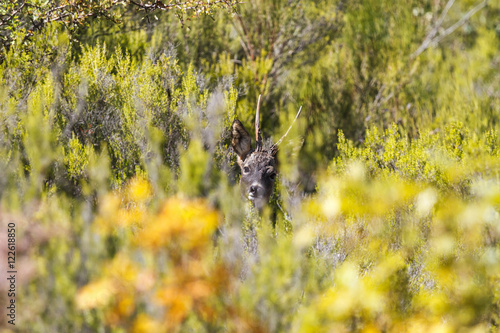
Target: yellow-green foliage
{"points": [[77, 158], [437, 244], [116, 166]]}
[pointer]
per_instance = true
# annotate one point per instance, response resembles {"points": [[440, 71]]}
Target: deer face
{"points": [[258, 166]]}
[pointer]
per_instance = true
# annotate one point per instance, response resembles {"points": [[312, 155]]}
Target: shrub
{"points": [[116, 168]]}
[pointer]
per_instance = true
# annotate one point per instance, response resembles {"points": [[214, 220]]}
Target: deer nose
{"points": [[253, 189]]}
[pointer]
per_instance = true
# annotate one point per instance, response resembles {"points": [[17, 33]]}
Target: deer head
{"points": [[258, 166]]}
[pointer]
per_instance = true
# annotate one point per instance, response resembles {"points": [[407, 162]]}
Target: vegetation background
{"points": [[116, 167]]}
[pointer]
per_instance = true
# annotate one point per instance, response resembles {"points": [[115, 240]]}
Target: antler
{"points": [[274, 148], [258, 137]]}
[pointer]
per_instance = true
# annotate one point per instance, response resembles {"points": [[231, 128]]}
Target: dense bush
{"points": [[116, 168]]}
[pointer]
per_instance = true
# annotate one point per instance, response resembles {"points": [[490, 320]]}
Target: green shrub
{"points": [[116, 168]]}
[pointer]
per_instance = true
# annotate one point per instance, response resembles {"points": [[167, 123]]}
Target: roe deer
{"points": [[258, 166]]}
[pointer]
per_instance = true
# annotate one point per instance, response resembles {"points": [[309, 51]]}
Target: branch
{"points": [[427, 41], [462, 21], [248, 46], [4, 21], [180, 5], [431, 38]]}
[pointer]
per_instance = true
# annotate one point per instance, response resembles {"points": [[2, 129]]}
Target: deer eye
{"points": [[246, 169]]}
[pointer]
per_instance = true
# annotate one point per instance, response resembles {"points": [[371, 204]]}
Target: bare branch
{"points": [[431, 38], [462, 21], [427, 41]]}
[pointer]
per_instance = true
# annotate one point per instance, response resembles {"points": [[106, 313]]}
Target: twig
{"points": [[289, 128], [285, 215]]}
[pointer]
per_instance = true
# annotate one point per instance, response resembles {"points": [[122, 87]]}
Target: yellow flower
{"points": [[96, 294], [145, 324], [178, 303], [189, 224], [138, 190]]}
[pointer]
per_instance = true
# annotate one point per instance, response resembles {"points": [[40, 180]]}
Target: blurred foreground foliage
{"points": [[116, 168]]}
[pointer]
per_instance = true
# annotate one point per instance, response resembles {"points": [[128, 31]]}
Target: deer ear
{"points": [[240, 140]]}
